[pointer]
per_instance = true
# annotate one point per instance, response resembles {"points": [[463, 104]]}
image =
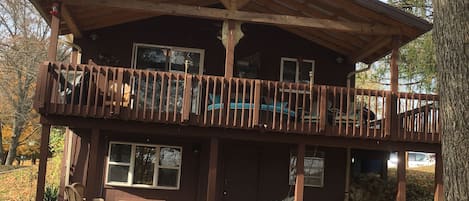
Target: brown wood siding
{"points": [[270, 42], [269, 164]]}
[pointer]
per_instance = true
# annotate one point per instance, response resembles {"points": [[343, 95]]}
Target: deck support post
{"points": [[300, 172], [212, 171], [231, 34], [54, 33], [394, 87], [348, 164], [401, 172], [44, 152], [439, 194], [92, 179]]}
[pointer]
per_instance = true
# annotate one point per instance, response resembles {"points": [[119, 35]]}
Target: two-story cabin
{"points": [[228, 100]]}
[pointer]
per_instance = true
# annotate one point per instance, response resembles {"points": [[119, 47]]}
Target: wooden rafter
{"points": [[67, 17], [234, 4], [223, 14], [371, 48]]}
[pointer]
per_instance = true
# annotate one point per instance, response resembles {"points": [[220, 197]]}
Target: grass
{"points": [[18, 183]]}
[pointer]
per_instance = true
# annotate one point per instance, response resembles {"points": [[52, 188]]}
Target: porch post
{"points": [[439, 194], [65, 165], [92, 179], [44, 152], [394, 87], [401, 180], [212, 170], [300, 172], [54, 34], [229, 47]]}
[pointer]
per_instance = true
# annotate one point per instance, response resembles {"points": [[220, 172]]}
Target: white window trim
{"points": [[195, 50], [297, 70], [132, 166]]}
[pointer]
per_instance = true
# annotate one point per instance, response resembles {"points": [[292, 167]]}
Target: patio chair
{"points": [[75, 192]]}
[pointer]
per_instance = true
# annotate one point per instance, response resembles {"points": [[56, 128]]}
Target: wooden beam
{"points": [[44, 152], [263, 18], [439, 194], [401, 180], [54, 35], [348, 164], [300, 173], [371, 48], [230, 45], [213, 169], [394, 66], [70, 22], [92, 179]]}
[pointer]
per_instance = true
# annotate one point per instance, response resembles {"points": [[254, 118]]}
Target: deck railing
{"points": [[214, 101]]}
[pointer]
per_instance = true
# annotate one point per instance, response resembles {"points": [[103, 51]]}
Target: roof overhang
{"points": [[360, 30]]}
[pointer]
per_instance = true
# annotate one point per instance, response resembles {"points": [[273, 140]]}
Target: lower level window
{"points": [[144, 165], [313, 168]]}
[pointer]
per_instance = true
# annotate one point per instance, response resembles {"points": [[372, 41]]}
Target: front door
{"points": [[241, 171]]}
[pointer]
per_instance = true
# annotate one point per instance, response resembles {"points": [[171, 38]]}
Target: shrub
{"points": [[51, 193]]}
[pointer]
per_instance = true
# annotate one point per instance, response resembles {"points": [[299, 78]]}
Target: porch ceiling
{"points": [[356, 29]]}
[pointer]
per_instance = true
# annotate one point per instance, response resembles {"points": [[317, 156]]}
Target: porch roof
{"points": [[361, 30]]}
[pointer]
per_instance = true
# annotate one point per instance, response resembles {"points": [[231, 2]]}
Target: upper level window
{"points": [[295, 70], [143, 165], [313, 169], [167, 58]]}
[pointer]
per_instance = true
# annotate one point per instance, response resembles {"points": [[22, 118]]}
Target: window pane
{"points": [[118, 173], [151, 58], [145, 159], [168, 177], [120, 153], [179, 59], [313, 181], [170, 157], [289, 71], [305, 69]]}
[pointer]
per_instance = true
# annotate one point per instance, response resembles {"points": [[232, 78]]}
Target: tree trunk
{"points": [[1, 144], [452, 50], [17, 130]]}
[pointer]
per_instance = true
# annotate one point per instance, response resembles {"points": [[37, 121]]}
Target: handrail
{"points": [[214, 101]]}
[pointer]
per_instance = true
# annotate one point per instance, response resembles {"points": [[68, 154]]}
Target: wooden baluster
{"points": [[318, 106], [112, 86], [384, 113], [257, 103], [235, 118], [362, 123], [311, 107], [388, 114], [297, 97], [341, 109], [243, 103], [168, 95], [138, 81], [55, 90], [163, 84], [222, 101], [98, 88], [176, 97], [146, 74], [72, 102], [347, 113], [303, 110], [334, 105], [368, 122], [251, 103], [420, 118], [90, 90], [290, 89], [228, 102], [354, 133], [426, 121], [207, 85], [376, 116], [214, 93], [323, 109], [282, 106], [187, 98], [275, 105], [153, 95]]}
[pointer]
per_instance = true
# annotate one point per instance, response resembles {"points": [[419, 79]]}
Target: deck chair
{"points": [[75, 192]]}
